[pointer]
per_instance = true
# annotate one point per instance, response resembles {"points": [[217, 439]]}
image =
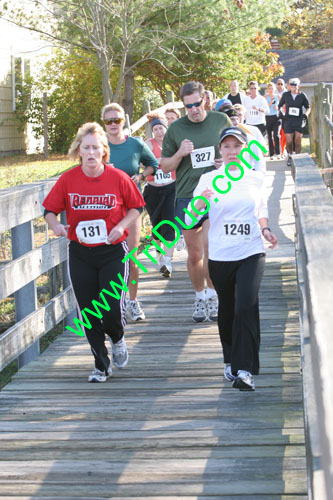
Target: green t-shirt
{"points": [[203, 134], [128, 155]]}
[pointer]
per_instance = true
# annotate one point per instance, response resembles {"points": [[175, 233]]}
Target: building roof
{"points": [[310, 66]]}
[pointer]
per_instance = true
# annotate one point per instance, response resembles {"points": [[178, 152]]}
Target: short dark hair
{"points": [[190, 87], [253, 82]]}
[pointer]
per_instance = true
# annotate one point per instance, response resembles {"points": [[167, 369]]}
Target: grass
{"points": [[23, 169]]}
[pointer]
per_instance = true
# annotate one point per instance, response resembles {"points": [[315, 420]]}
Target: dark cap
{"points": [[231, 112], [235, 132]]}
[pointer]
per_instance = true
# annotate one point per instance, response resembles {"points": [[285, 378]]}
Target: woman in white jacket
{"points": [[234, 197]]}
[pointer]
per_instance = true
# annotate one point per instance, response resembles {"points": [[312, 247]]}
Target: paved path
{"points": [[168, 426]]}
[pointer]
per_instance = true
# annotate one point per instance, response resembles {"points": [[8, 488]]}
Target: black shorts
{"points": [[180, 204], [291, 126], [160, 205]]}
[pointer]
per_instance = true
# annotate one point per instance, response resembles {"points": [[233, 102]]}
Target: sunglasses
{"points": [[195, 104], [293, 84], [109, 121]]}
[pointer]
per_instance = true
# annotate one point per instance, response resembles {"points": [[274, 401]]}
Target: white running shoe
{"points": [[228, 375], [119, 353], [244, 381], [166, 268], [134, 311], [200, 311], [212, 308], [99, 376], [180, 245]]}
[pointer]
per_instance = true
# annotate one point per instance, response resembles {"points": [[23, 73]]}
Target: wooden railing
{"points": [[19, 206], [313, 205], [321, 130]]}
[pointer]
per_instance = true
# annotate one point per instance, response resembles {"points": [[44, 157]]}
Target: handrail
{"points": [[313, 205], [321, 128]]}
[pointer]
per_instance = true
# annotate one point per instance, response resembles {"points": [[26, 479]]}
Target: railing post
{"points": [[65, 278], [25, 298], [145, 110], [170, 96], [128, 124]]}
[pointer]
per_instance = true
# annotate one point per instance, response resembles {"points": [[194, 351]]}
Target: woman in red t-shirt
{"points": [[100, 203]]}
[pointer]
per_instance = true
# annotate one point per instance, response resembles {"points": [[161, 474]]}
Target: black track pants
{"points": [[273, 127], [237, 285], [90, 270]]}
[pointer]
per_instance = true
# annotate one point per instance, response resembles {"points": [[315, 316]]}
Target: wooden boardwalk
{"points": [[168, 426]]}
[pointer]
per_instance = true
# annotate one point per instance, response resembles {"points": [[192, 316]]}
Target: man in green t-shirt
{"points": [[190, 147]]}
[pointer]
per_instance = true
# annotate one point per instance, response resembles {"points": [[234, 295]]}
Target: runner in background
{"points": [[297, 110], [256, 108], [241, 112], [209, 97], [235, 96], [127, 153], [190, 147], [159, 194], [280, 88], [101, 202], [273, 122], [171, 115]]}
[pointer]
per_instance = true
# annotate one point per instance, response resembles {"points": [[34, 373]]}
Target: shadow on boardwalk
{"points": [[169, 425]]}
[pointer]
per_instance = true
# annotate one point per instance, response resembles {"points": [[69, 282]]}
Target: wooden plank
{"points": [[23, 270], [23, 203], [24, 333]]}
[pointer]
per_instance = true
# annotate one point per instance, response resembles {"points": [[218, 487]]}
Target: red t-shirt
{"points": [[108, 196]]}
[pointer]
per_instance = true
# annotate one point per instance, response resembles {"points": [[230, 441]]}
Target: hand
{"points": [[218, 162], [136, 178], [255, 108], [271, 238], [60, 230], [206, 193], [116, 233], [186, 147]]}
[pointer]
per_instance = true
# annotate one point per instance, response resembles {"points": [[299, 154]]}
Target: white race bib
{"points": [[203, 157], [254, 112], [237, 230], [294, 111], [92, 232], [162, 178]]}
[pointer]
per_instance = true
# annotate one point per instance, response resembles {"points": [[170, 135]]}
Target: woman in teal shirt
{"points": [[128, 153]]}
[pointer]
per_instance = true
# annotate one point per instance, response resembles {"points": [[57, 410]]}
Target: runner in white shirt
{"points": [[256, 108], [238, 219]]}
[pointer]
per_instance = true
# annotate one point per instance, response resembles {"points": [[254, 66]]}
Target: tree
{"points": [[123, 34], [246, 60], [309, 25]]}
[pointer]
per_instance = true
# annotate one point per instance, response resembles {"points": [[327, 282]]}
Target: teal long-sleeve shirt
{"points": [[128, 155]]}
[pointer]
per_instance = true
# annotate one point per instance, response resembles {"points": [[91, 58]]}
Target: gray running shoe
{"points": [[212, 308], [166, 268], [228, 375], [180, 245], [244, 381], [134, 311], [200, 311], [99, 376], [119, 353]]}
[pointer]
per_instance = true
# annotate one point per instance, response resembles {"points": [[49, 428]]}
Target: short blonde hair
{"points": [[113, 106], [174, 111], [89, 128]]}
